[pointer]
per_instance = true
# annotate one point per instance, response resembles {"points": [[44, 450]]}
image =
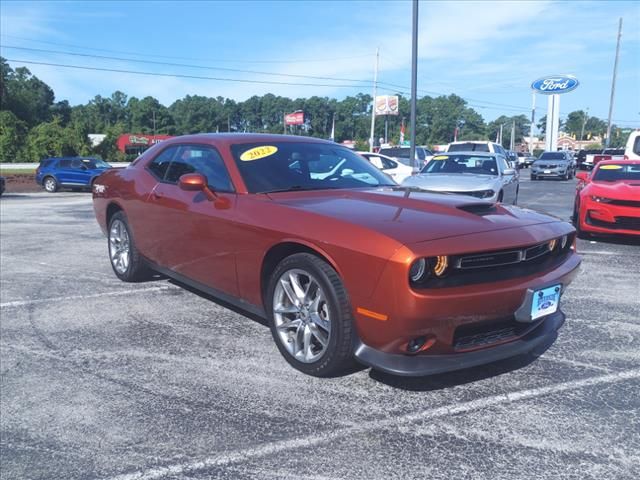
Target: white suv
{"points": [[632, 150]]}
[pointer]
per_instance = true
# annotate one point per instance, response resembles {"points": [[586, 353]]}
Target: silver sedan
{"points": [[480, 175]]}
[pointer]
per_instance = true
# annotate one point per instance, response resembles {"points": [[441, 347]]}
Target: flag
{"points": [[402, 133], [333, 129]]}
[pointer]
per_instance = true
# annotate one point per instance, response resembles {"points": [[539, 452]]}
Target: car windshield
{"points": [[289, 166], [552, 156], [93, 163], [615, 173], [468, 147], [462, 163]]}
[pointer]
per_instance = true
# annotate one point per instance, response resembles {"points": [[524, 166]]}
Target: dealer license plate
{"points": [[545, 301], [547, 171]]}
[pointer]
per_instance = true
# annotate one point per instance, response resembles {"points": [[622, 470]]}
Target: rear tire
{"points": [[50, 184], [126, 261], [310, 316]]}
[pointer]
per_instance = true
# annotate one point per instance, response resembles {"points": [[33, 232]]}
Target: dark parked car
{"points": [[402, 155], [554, 164], [71, 172], [340, 260], [2, 185]]}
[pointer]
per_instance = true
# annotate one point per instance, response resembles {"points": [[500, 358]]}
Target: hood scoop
{"points": [[480, 209]]}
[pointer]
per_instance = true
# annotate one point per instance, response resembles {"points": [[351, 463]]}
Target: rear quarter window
{"points": [[636, 145]]}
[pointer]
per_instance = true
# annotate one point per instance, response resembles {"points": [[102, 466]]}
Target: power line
{"points": [[85, 47], [184, 65], [178, 75]]}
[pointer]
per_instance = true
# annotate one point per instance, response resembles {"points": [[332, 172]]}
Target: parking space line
{"points": [[574, 363], [22, 303], [365, 427]]}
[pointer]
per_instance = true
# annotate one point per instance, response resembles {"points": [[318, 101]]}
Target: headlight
{"points": [[563, 242], [483, 193], [600, 199], [423, 268], [418, 268]]}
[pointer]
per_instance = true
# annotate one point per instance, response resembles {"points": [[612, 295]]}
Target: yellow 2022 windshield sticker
{"points": [[440, 157], [610, 167], [258, 152]]}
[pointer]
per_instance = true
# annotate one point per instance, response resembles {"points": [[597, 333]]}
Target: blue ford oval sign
{"points": [[555, 84]]}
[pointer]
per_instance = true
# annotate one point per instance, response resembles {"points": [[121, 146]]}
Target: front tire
{"points": [[310, 315], [126, 261], [533, 178]]}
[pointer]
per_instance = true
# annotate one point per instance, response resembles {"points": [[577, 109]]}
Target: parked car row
{"points": [[69, 172]]}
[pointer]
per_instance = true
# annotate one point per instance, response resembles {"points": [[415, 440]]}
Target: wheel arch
{"points": [[112, 209], [284, 249]]}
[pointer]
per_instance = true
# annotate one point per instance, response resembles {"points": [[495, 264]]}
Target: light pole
{"points": [[414, 85]]}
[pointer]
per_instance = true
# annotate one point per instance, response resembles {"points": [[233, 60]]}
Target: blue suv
{"points": [[69, 172]]}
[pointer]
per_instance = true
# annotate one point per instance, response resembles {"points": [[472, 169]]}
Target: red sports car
{"points": [[608, 200], [341, 261]]}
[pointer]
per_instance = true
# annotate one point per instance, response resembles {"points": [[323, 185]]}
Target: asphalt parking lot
{"points": [[102, 379]]}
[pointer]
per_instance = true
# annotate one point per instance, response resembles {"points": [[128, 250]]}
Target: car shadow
{"points": [[216, 300], [614, 239], [461, 377]]}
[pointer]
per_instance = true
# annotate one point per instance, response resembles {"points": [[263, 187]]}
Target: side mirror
{"points": [[584, 176], [509, 171], [196, 182]]}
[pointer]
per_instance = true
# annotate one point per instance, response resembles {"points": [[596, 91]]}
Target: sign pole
{"points": [[414, 85], [373, 104], [533, 121], [613, 84]]}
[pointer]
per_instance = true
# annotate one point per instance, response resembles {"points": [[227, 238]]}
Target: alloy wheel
{"points": [[50, 185], [119, 248], [301, 315]]}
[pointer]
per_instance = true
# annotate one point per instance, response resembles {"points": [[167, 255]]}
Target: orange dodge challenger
{"points": [[341, 261]]}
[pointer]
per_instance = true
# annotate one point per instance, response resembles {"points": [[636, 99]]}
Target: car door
{"points": [[196, 234], [509, 182], [63, 172], [80, 172]]}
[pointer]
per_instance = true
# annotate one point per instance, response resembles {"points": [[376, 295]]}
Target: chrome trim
{"points": [[522, 256]]}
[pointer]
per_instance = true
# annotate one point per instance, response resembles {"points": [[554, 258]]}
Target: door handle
{"points": [[155, 194]]}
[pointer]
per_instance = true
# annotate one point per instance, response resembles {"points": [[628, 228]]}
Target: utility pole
{"points": [[373, 104], [584, 123], [154, 123], [512, 141], [613, 84], [500, 137], [414, 86], [533, 121]]}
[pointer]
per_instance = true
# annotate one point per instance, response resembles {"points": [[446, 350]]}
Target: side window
{"points": [[376, 161], [502, 163], [636, 145], [203, 160], [64, 164], [76, 164], [160, 164], [387, 164]]}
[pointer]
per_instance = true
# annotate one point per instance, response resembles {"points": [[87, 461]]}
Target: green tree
{"points": [[12, 136], [150, 116], [28, 97]]}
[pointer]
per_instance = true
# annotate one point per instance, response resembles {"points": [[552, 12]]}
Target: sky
{"points": [[486, 52]]}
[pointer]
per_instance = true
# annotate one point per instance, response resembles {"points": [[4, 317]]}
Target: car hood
{"points": [[460, 182], [629, 190], [409, 215]]}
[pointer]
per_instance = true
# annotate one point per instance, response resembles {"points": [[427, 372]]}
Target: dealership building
{"points": [[134, 143]]}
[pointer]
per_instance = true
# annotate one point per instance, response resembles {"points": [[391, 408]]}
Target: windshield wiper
{"points": [[299, 188]]}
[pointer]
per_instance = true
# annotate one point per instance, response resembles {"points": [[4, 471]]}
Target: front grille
{"points": [[468, 337], [629, 223], [547, 165], [625, 203], [500, 258], [499, 265], [620, 223]]}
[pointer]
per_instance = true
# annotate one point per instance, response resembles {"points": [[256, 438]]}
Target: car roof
{"points": [[618, 162], [469, 152], [245, 138]]}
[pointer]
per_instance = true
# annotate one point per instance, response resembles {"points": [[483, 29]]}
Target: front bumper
{"points": [[557, 172], [610, 219], [421, 365]]}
